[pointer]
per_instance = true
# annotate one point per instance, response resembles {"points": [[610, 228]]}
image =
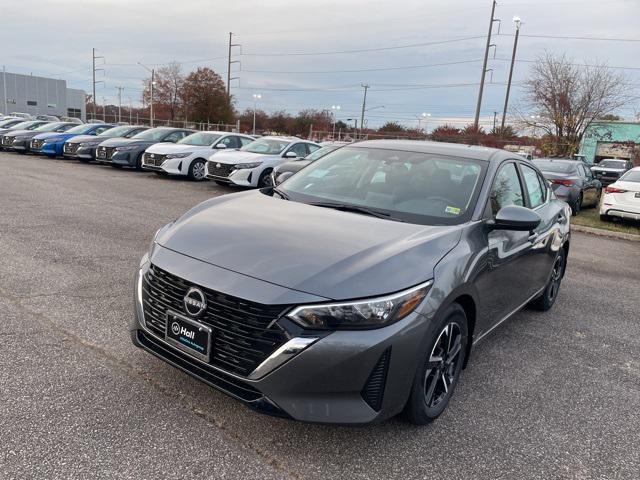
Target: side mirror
{"points": [[220, 146], [291, 154], [282, 177], [513, 217]]}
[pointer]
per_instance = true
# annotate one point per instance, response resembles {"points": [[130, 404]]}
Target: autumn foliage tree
{"points": [[167, 102], [204, 97]]}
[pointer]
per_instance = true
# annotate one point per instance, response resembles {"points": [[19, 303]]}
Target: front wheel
{"points": [[197, 170], [265, 180], [438, 373], [575, 208], [545, 301], [115, 165]]}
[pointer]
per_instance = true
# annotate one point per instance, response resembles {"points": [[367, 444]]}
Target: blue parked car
{"points": [[50, 144]]}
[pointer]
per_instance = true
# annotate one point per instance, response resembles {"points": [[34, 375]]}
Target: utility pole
{"points": [[130, 110], [364, 105], [484, 63], [94, 70], [5, 108], [120, 103], [256, 97], [495, 116], [153, 81], [229, 62], [518, 23], [104, 109]]}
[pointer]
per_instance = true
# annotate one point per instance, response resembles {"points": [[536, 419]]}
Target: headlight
{"points": [[240, 166], [361, 314], [179, 155], [20, 138], [124, 149]]}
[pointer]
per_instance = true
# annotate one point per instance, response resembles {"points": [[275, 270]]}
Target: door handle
{"points": [[562, 219]]}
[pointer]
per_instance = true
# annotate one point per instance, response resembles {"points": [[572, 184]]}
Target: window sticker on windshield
{"points": [[452, 210]]}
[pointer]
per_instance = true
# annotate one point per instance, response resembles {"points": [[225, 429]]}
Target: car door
{"points": [[589, 191], [504, 284], [544, 239]]}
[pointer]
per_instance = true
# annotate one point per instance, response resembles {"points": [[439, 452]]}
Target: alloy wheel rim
{"points": [[442, 366], [556, 276], [198, 170]]}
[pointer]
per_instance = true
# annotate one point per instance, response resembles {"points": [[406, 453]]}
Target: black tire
{"points": [[545, 301], [83, 160], [605, 218], [196, 170], [115, 165], [265, 179], [438, 372], [577, 205], [139, 162], [223, 184]]}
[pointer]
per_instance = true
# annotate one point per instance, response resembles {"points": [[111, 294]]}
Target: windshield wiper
{"points": [[346, 207], [283, 195]]}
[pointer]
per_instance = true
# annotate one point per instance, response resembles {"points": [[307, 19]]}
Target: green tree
{"points": [[204, 96]]}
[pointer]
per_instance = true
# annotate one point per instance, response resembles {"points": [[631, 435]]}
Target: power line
{"points": [[375, 69], [361, 50], [570, 37]]}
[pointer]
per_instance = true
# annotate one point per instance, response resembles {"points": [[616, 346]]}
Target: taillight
{"points": [[612, 189], [560, 181]]}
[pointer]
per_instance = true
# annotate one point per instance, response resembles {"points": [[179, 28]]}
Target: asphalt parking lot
{"points": [[553, 395]]}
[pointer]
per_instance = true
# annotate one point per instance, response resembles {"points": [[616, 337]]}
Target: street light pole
{"points": [[120, 103], [421, 118], [364, 106], [334, 108], [256, 97], [518, 23], [153, 81]]}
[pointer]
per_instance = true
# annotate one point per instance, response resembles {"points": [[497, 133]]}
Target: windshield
{"points": [[611, 164], [28, 125], [81, 129], [115, 132], [50, 127], [555, 166], [414, 187], [270, 146], [200, 139], [631, 176], [10, 123], [321, 152], [154, 134]]}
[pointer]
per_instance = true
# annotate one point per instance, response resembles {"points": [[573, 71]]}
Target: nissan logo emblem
{"points": [[175, 328], [218, 165], [195, 302]]}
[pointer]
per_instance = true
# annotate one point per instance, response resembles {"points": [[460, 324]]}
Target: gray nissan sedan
{"points": [[356, 289]]}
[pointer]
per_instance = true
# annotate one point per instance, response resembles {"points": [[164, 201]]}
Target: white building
{"points": [[40, 95]]}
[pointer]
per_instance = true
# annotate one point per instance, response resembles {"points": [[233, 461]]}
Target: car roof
{"points": [[473, 152], [561, 160]]}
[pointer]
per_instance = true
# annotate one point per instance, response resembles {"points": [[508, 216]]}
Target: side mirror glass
{"points": [[291, 154], [514, 217], [282, 177], [220, 146]]}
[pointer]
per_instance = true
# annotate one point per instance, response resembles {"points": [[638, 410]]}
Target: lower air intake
{"points": [[373, 390]]}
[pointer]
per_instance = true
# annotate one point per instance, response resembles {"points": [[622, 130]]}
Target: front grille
{"points": [[373, 390], [224, 170], [36, 144], [71, 148], [7, 140], [242, 335], [105, 153], [155, 159]]}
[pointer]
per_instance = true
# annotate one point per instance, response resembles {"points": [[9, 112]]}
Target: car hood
{"points": [[44, 136], [121, 142], [294, 166], [15, 133], [166, 148], [234, 157], [321, 251], [86, 138]]}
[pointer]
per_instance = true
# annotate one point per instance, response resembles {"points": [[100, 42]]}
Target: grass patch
{"points": [[590, 217]]}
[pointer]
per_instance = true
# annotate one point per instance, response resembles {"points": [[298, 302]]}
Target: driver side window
{"points": [[506, 189], [300, 149]]}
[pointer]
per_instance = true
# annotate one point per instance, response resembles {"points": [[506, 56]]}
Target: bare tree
{"points": [[563, 98], [169, 80]]}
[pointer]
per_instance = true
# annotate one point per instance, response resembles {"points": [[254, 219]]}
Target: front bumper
{"points": [[122, 158], [52, 149], [86, 153], [244, 177], [327, 382]]}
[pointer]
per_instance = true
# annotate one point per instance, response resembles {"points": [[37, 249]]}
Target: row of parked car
{"points": [[243, 160], [240, 159]]}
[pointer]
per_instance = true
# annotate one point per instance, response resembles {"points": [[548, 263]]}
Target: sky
{"points": [[417, 56]]}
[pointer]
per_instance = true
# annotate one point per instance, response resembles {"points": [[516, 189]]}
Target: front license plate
{"points": [[188, 335]]}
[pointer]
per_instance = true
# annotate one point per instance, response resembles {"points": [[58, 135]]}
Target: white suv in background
{"points": [[251, 166], [189, 155]]}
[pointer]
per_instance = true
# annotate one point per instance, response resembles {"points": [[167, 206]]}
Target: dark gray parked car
{"points": [[83, 147], [20, 140], [610, 170], [285, 170], [127, 152], [572, 181], [355, 290]]}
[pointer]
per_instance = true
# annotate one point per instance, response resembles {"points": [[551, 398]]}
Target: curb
{"points": [[605, 233]]}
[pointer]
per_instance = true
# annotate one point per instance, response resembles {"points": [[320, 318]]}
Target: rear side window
{"points": [[534, 188], [506, 188], [245, 141]]}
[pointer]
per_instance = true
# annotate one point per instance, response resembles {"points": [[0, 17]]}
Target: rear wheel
{"points": [[196, 170], [575, 208], [545, 301], [605, 218], [438, 373], [115, 165]]}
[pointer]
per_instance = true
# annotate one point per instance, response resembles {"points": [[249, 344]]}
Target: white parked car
{"points": [[251, 166], [622, 198], [189, 155]]}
